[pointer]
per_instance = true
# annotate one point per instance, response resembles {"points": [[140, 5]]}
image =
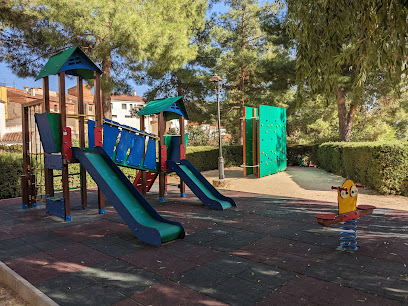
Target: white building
{"points": [[121, 110]]}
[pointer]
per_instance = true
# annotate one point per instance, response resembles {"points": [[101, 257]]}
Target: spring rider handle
{"points": [[360, 186], [339, 188]]}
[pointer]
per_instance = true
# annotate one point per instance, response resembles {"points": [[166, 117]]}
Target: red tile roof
{"points": [[20, 96], [127, 98], [13, 137]]}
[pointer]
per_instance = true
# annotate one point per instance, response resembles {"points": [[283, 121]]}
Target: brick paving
{"points": [[268, 251]]}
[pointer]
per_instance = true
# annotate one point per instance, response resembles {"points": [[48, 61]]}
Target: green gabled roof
{"points": [[73, 61], [170, 106]]}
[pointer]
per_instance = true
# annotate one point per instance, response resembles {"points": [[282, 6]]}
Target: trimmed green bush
{"points": [[16, 148], [379, 165], [306, 152], [11, 168], [206, 158]]}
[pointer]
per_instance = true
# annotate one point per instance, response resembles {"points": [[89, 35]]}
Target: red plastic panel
{"points": [[326, 216], [66, 143], [163, 157], [183, 151], [364, 207], [350, 216], [150, 178], [98, 136]]}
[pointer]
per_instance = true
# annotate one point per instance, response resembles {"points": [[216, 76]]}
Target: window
{"points": [[128, 116], [55, 108], [90, 108], [131, 106], [124, 106], [114, 116]]}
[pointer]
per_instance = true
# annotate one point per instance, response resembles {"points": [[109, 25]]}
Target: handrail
{"points": [[79, 115], [128, 128], [248, 166]]}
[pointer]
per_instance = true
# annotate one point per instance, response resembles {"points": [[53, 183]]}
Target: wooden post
{"points": [[84, 196], [98, 124], [48, 173], [65, 177], [46, 94], [26, 160], [162, 178], [182, 142], [143, 172]]}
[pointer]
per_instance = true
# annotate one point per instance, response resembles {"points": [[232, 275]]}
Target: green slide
{"points": [[139, 215], [198, 184]]}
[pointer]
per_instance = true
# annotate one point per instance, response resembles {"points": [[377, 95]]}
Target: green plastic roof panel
{"points": [[170, 106], [73, 61]]}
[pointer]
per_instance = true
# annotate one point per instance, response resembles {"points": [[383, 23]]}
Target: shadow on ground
{"points": [[268, 250]]}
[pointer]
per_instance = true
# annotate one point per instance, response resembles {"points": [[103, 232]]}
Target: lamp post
{"points": [[218, 80]]}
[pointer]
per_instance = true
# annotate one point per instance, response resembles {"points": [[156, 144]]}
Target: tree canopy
{"points": [[358, 36], [345, 47], [353, 53], [117, 34]]}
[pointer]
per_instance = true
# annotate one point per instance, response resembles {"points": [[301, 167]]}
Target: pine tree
{"points": [[251, 58]]}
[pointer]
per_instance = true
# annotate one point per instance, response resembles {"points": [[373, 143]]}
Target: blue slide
{"points": [[200, 186], [144, 221]]}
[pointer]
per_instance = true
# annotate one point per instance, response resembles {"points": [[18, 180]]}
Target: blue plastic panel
{"points": [[126, 141], [76, 61], [56, 207], [44, 130], [175, 149], [175, 108], [136, 152], [150, 158], [110, 135], [53, 161], [91, 134]]}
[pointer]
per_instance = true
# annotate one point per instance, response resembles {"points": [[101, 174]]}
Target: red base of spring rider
{"points": [[327, 219]]}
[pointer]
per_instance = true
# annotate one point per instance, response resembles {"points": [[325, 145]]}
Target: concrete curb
{"points": [[23, 288]]}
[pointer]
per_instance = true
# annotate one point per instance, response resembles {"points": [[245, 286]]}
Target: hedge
{"points": [[206, 158], [11, 165], [11, 168], [306, 152], [382, 166], [16, 148], [379, 165]]}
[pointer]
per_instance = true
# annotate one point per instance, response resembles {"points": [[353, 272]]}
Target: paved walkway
{"points": [[268, 250], [301, 182]]}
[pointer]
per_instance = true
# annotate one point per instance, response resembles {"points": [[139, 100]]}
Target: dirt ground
{"points": [[301, 182], [8, 297]]}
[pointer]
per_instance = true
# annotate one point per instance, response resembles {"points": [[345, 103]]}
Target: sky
{"points": [[8, 78]]}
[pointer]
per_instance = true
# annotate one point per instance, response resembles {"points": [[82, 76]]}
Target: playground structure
{"points": [[102, 156], [264, 140], [348, 214]]}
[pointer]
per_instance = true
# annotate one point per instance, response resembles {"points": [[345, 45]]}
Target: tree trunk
{"points": [[106, 88], [241, 111], [242, 75], [345, 118], [179, 90]]}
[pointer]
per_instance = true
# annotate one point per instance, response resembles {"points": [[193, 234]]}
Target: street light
{"points": [[218, 80]]}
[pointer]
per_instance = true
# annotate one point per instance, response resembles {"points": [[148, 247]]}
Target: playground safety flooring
{"points": [[269, 250]]}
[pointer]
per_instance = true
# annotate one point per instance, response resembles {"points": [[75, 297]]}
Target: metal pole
{"points": [[220, 158]]}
